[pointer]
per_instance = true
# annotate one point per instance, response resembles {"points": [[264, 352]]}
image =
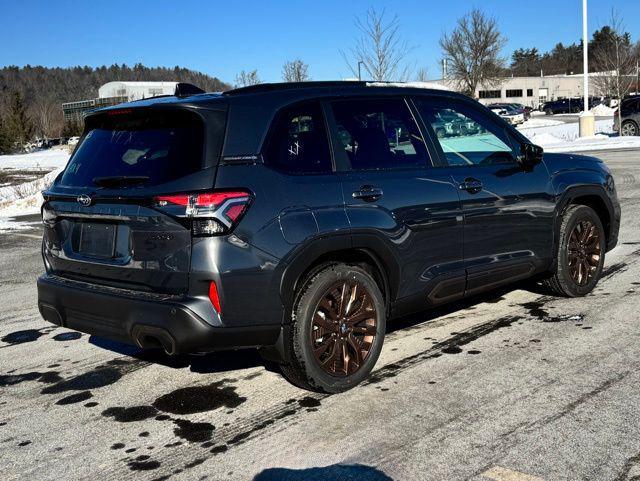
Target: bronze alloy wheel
{"points": [[343, 328], [584, 252]]}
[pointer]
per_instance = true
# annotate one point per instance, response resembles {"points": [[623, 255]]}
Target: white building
{"points": [[530, 91], [136, 90]]}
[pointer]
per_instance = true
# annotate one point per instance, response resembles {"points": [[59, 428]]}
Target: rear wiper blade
{"points": [[120, 180]]}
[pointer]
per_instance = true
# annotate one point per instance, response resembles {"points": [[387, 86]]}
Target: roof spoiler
{"points": [[184, 89]]}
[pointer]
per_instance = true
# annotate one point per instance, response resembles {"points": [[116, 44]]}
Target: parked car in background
{"points": [[630, 113], [568, 106], [525, 110], [508, 112], [562, 106], [297, 218]]}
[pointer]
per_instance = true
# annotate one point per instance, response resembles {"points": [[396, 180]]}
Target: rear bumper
{"points": [[145, 320]]}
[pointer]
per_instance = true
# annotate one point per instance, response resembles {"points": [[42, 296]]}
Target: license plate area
{"points": [[97, 240]]}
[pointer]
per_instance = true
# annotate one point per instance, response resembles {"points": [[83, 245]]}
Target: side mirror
{"points": [[530, 155]]}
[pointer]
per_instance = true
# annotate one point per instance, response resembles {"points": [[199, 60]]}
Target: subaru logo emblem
{"points": [[84, 200]]}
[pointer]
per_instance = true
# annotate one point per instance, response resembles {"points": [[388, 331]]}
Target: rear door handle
{"points": [[471, 185], [368, 193]]}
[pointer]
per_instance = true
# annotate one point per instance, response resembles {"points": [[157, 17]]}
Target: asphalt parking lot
{"points": [[511, 386]]}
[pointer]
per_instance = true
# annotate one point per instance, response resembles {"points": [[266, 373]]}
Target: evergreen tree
{"points": [[19, 124], [5, 145]]}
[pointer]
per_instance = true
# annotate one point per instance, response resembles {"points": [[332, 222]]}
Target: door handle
{"points": [[368, 193], [471, 185]]}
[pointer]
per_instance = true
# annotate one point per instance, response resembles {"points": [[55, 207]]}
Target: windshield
{"points": [[152, 148]]}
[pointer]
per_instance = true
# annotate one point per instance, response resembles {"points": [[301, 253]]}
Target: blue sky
{"points": [[222, 38]]}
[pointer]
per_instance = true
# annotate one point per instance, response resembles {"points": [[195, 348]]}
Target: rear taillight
{"points": [[213, 213]]}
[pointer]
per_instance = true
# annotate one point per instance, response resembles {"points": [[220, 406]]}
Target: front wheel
{"points": [[580, 255], [629, 128], [339, 322]]}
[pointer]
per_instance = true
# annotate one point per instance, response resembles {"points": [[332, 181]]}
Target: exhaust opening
{"points": [[149, 337]]}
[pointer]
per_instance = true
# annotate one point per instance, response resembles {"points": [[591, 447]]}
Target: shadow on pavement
{"points": [[220, 361], [223, 361], [336, 472]]}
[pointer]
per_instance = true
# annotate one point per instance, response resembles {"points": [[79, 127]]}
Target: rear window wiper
{"points": [[120, 180]]}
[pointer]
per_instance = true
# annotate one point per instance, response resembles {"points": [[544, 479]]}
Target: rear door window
{"points": [[152, 148], [379, 134], [298, 143]]}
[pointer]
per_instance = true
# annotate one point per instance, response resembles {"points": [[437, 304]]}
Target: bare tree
{"points": [[245, 79], [421, 75], [616, 57], [473, 52], [47, 116], [380, 49], [295, 71]]}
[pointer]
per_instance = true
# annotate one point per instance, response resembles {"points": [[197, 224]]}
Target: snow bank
{"points": [[567, 132], [25, 198], [564, 138], [603, 111], [45, 160]]}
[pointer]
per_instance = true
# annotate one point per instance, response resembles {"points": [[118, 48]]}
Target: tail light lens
{"points": [[214, 297], [213, 213]]}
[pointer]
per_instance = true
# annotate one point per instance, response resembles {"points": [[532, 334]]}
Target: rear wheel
{"points": [[629, 127], [580, 256], [338, 329]]}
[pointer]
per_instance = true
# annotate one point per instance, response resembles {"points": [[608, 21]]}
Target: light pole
{"points": [[587, 120], [360, 62]]}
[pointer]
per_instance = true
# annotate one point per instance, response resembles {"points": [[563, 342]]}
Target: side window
{"points": [[379, 134], [467, 136], [298, 142]]}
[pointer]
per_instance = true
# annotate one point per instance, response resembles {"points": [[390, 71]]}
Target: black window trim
{"points": [[338, 151], [271, 131], [441, 158]]}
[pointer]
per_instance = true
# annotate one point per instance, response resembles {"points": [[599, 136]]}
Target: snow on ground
{"points": [[602, 110], [564, 138], [25, 198], [45, 160], [536, 122]]}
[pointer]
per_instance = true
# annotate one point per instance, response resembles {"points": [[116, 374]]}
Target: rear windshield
{"points": [[151, 148]]}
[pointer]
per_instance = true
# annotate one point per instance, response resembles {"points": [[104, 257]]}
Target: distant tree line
{"points": [[31, 96]]}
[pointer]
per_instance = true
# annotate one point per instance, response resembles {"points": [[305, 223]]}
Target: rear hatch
{"points": [[103, 223]]}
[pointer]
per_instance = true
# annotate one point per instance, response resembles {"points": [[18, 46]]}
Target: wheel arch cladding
{"points": [[590, 196], [304, 266]]}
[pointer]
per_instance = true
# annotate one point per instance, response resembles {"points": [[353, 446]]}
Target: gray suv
{"points": [[299, 218], [630, 113]]}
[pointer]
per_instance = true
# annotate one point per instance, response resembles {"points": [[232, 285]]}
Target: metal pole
{"points": [[585, 55], [360, 62], [587, 124]]}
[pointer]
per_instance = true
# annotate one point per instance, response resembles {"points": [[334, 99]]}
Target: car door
{"points": [[397, 204], [508, 210]]}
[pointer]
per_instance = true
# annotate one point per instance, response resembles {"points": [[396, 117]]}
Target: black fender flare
{"points": [[297, 263], [567, 197]]}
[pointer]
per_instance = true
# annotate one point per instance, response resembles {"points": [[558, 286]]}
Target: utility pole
{"points": [[360, 62], [587, 119]]}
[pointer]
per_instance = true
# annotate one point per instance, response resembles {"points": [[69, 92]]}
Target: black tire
{"points": [[304, 369], [562, 283], [629, 128], [548, 112]]}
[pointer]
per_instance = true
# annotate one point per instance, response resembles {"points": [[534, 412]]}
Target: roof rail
{"points": [[270, 87], [184, 89]]}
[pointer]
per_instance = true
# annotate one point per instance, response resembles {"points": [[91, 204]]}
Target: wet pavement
{"points": [[513, 385]]}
